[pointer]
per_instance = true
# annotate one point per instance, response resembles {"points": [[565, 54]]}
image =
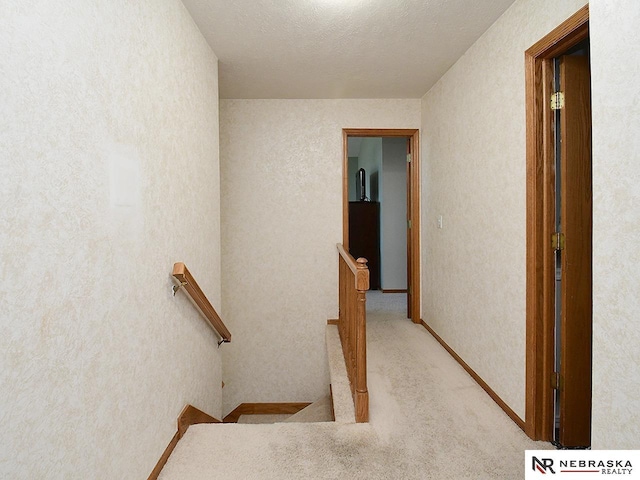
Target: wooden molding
{"points": [[540, 220], [164, 457], [190, 415], [380, 132], [513, 415], [333, 412], [182, 274], [333, 321], [345, 189], [566, 35], [265, 409], [414, 237], [400, 290]]}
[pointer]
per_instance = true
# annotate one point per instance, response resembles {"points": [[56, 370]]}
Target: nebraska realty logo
{"points": [[582, 464]]}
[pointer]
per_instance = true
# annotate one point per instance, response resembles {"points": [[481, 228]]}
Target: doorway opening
{"points": [[376, 227], [559, 205]]}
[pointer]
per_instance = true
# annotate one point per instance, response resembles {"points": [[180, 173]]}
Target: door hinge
{"points": [[409, 224], [556, 381], [557, 241], [408, 158], [557, 101]]}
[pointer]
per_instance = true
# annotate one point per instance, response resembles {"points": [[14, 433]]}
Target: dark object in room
{"points": [[364, 237]]}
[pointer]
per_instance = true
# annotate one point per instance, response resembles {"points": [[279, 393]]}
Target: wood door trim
{"points": [[414, 136], [540, 220]]}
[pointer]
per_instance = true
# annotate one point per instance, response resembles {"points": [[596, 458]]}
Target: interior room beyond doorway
{"points": [[377, 188]]}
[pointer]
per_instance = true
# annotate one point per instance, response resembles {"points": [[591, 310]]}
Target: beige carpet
{"points": [[318, 411], [429, 419], [262, 419]]}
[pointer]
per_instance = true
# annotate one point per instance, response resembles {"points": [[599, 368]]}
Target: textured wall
{"points": [[615, 66], [473, 141], [110, 173], [393, 214], [281, 170], [353, 170], [370, 159]]}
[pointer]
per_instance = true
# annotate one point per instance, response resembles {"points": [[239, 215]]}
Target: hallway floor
{"points": [[428, 419]]}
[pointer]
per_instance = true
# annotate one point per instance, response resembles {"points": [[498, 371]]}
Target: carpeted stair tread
{"points": [[340, 387], [257, 419], [428, 420], [278, 451], [318, 411]]}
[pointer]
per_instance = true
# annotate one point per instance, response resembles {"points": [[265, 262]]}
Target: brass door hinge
{"points": [[556, 381], [408, 158], [557, 241], [409, 224], [557, 101]]}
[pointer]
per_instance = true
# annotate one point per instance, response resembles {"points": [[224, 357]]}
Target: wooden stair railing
{"points": [[182, 274], [352, 326]]}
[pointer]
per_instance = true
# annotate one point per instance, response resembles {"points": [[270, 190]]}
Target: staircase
{"points": [[247, 438], [428, 419], [337, 406]]}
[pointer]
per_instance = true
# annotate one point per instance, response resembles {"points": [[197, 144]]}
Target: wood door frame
{"points": [[414, 239], [540, 314]]}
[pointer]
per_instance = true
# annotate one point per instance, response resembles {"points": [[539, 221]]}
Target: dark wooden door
{"points": [[576, 278]]}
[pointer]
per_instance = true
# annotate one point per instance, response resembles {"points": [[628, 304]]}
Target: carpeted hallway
{"points": [[428, 419]]}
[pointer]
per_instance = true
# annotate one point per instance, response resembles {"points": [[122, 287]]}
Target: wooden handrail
{"points": [[358, 267], [182, 274], [352, 326]]}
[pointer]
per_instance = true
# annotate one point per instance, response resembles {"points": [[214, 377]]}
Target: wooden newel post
{"points": [[361, 394]]}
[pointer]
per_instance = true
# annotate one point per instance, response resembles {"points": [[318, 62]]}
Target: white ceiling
{"points": [[338, 48]]}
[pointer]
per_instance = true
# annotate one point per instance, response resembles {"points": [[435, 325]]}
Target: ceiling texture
{"points": [[339, 48]]}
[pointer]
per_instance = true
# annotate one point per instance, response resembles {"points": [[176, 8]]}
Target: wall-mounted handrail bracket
{"points": [[186, 280], [175, 288]]}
